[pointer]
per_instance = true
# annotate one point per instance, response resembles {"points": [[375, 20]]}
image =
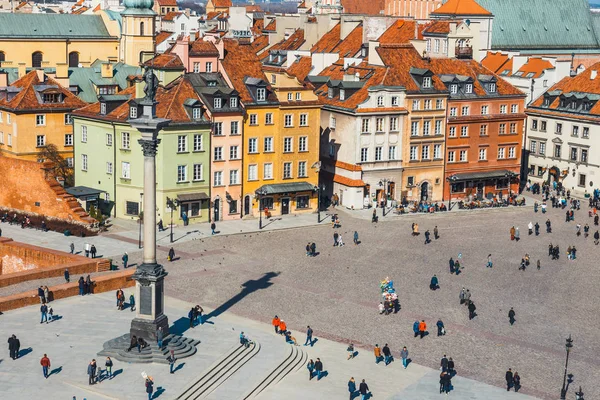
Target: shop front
{"points": [[286, 198], [484, 185]]}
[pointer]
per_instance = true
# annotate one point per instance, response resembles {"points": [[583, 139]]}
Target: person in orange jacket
{"points": [[377, 352], [422, 328], [275, 323], [282, 327]]}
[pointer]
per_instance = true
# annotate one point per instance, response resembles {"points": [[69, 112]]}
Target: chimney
{"points": [[22, 68], [62, 74], [593, 74], [106, 70], [139, 89], [40, 75], [3, 79]]}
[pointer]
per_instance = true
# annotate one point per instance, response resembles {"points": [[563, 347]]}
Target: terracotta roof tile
{"points": [[271, 26], [166, 61], [342, 180], [222, 3], [369, 7], [461, 7], [331, 43], [203, 48], [302, 5], [536, 66], [293, 42], [401, 32], [253, 8], [80, 10], [171, 15], [97, 8], [28, 98], [21, 5], [497, 62], [213, 15], [260, 43], [258, 26], [162, 36], [438, 27], [300, 68], [167, 2]]}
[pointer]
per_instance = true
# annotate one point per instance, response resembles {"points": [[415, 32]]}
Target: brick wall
{"points": [[104, 283]]}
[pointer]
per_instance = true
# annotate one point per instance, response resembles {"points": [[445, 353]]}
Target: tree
{"points": [[59, 169]]}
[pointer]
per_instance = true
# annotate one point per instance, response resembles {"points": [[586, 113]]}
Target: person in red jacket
{"points": [[275, 323], [45, 363], [422, 328], [282, 327]]}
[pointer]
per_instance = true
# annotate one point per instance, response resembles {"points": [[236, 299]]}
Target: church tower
{"points": [[137, 31]]}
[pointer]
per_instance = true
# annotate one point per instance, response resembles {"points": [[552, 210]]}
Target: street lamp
{"points": [[318, 190], [140, 219], [509, 175], [563, 391], [451, 180], [259, 194], [172, 204], [579, 395], [384, 182]]}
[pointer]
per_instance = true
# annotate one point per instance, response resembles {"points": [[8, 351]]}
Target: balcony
{"points": [[465, 52]]}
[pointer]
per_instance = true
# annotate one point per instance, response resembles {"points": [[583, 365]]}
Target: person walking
{"points": [[91, 371], [489, 261], [548, 226], [282, 327], [86, 248], [311, 367], [46, 294], [352, 387], [40, 292], [308, 249], [319, 368], [44, 312], [436, 235], [537, 229], [45, 363], [363, 388], [213, 227], [511, 316], [416, 328], [340, 240], [93, 251], [461, 295], [472, 309], [512, 233], [335, 239], [387, 354], [509, 379], [89, 284], [81, 284], [440, 328], [171, 255], [67, 276], [350, 350], [275, 322], [13, 347], [404, 355], [132, 302], [377, 352], [596, 238], [422, 328], [516, 381], [108, 364], [159, 337], [427, 235], [517, 234], [72, 247], [451, 265], [149, 387], [125, 259], [451, 370], [530, 228], [171, 360], [434, 283], [444, 363], [356, 238], [309, 334]]}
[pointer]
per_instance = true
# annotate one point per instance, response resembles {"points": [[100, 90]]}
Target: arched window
{"points": [[141, 29], [73, 59], [2, 56], [36, 59]]}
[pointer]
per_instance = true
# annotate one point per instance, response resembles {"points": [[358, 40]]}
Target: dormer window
{"points": [[380, 101], [587, 106], [261, 94], [233, 102], [132, 112], [546, 102], [573, 105], [453, 89], [196, 112], [217, 102], [426, 82], [51, 97], [342, 94], [492, 88], [290, 96], [298, 96], [330, 93], [469, 88], [563, 103], [103, 108], [273, 76]]}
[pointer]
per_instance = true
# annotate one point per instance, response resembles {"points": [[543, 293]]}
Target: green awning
{"points": [[280, 188], [481, 175]]}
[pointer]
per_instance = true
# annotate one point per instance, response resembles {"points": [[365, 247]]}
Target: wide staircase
{"points": [[182, 346]]}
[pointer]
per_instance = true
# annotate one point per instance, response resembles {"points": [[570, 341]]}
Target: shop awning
{"points": [[475, 176], [186, 197], [83, 192], [280, 188]]}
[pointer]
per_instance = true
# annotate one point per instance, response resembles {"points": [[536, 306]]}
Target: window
{"points": [[40, 140], [533, 146], [453, 111], [573, 154], [453, 89], [303, 143], [132, 208], [36, 59], [410, 181], [469, 88], [69, 139], [543, 126], [584, 155], [268, 145], [437, 151], [298, 96], [436, 46], [290, 96], [414, 128], [182, 143], [266, 202], [330, 93], [253, 172], [427, 105], [451, 155], [364, 154], [428, 45], [464, 131], [103, 108], [380, 101], [69, 162], [218, 178], [196, 67], [9, 138], [557, 150], [452, 132], [288, 121], [218, 129], [287, 145], [502, 129], [379, 125], [273, 79], [492, 88], [125, 140], [233, 102], [514, 108], [218, 153], [40, 120], [426, 82], [512, 152], [464, 110], [287, 170], [68, 119], [503, 109], [8, 119], [208, 67], [395, 101], [501, 153], [303, 119], [332, 122], [393, 124], [482, 154], [534, 124], [365, 125], [392, 152], [261, 94], [233, 152], [558, 128], [235, 125], [483, 130], [141, 29], [109, 168], [439, 104], [463, 155], [252, 145], [125, 170], [413, 153], [582, 180], [575, 131], [132, 112], [196, 113], [268, 119], [586, 132], [378, 153], [302, 169], [253, 119], [540, 171], [426, 126], [198, 146], [198, 172], [542, 148], [302, 202], [484, 110], [425, 152], [233, 177], [415, 104], [513, 128], [217, 101]]}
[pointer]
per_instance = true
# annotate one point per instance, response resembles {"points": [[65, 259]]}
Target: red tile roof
{"points": [[260, 43], [258, 26], [171, 15], [80, 10], [97, 8], [222, 3], [214, 14], [167, 2], [166, 61], [293, 42], [400, 32], [253, 8], [300, 68], [438, 27], [162, 36], [461, 7], [28, 98], [497, 62], [344, 180], [369, 7], [331, 43], [21, 5], [271, 26], [201, 47], [536, 66]]}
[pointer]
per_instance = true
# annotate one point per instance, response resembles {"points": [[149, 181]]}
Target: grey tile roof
{"points": [[50, 26], [86, 78]]}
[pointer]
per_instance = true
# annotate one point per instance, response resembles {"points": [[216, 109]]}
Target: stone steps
{"points": [[294, 361], [182, 346], [219, 372]]}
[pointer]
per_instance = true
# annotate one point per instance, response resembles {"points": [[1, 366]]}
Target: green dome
{"points": [[139, 4]]}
